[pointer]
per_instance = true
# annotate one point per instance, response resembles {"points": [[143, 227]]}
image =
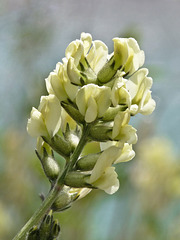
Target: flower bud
{"points": [[63, 200], [50, 166], [71, 137]]}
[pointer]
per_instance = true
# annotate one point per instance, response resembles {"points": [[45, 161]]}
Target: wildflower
{"points": [[121, 130], [59, 84], [98, 91], [103, 175], [46, 120], [127, 55], [85, 58], [93, 101], [138, 87]]}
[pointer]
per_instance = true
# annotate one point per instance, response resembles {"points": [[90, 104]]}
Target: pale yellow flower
{"points": [[97, 55], [36, 126], [120, 94], [79, 192], [138, 87], [99, 90], [127, 55], [126, 154], [86, 38], [85, 58], [103, 175], [75, 50], [59, 84], [77, 66], [108, 181], [93, 101], [45, 121], [106, 159], [122, 131]]}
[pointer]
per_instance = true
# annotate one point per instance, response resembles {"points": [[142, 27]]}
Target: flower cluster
{"points": [[100, 91]]}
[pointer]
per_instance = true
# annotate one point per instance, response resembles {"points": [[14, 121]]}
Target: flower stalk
{"points": [[54, 192]]}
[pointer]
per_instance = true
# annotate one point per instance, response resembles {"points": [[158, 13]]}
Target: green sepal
{"points": [[110, 114], [49, 165], [59, 145], [100, 133], [33, 233], [55, 230], [72, 137], [88, 162], [62, 202], [45, 227], [107, 72], [76, 180], [73, 112]]}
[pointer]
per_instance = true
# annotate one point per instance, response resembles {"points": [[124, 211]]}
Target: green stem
{"points": [[37, 216], [76, 153], [51, 197]]}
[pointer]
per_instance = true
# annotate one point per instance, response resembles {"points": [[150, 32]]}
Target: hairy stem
{"points": [[37, 216]]}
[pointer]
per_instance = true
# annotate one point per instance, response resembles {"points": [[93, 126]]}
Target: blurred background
{"points": [[33, 38]]}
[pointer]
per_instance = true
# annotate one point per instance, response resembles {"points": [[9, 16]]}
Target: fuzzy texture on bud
{"points": [[45, 155]]}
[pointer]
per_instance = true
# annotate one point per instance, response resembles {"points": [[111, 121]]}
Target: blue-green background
{"points": [[33, 38]]}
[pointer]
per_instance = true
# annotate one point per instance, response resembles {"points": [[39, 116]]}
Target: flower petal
{"points": [[108, 181], [106, 159], [36, 126], [51, 110], [126, 155]]}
